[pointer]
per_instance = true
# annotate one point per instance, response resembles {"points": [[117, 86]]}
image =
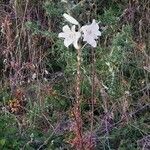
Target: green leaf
{"points": [[2, 142]]}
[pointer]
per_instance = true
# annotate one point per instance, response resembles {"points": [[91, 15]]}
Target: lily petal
{"points": [[68, 42], [70, 19], [66, 28], [91, 33], [93, 43], [61, 35]]}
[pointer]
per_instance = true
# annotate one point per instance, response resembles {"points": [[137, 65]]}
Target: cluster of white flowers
{"points": [[89, 33]]}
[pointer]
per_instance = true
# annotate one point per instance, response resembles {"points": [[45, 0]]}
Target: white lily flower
{"points": [[70, 36], [91, 33], [70, 19]]}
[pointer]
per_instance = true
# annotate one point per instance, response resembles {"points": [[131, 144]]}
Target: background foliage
{"points": [[38, 75]]}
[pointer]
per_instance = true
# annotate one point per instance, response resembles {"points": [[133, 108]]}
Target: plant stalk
{"points": [[77, 107]]}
